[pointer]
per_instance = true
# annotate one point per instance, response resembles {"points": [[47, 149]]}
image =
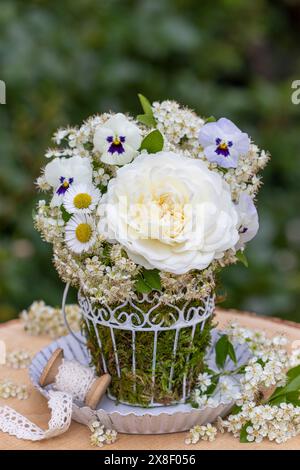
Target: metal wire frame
{"points": [[129, 316]]}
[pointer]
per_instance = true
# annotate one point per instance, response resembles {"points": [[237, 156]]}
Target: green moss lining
{"points": [[138, 388]]}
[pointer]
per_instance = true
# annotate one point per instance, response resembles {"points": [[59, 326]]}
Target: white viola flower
{"points": [[169, 212], [80, 233], [223, 142], [61, 173], [248, 223], [117, 140], [81, 198]]}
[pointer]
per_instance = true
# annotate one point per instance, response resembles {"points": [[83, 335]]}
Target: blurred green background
{"points": [[63, 61]]}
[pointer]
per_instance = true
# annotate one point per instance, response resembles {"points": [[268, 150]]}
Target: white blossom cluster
{"points": [[250, 387], [206, 432], [41, 319], [18, 359], [277, 423], [101, 436], [9, 389]]}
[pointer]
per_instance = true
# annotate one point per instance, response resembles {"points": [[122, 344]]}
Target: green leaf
{"points": [[152, 278], [210, 119], [221, 351], [153, 142], [65, 215], [244, 434], [142, 287], [236, 410], [145, 103], [224, 348], [146, 119], [293, 373], [231, 352], [293, 386], [213, 386], [242, 258]]}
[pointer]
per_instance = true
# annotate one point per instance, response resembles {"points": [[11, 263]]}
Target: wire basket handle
{"points": [[63, 309]]}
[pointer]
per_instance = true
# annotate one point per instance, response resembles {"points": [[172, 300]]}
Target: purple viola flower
{"points": [[223, 142], [248, 223]]}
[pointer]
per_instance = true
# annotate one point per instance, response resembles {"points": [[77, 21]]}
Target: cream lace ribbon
{"points": [[19, 426]]}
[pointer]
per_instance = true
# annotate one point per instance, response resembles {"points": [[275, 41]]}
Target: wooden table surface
{"points": [[77, 437]]}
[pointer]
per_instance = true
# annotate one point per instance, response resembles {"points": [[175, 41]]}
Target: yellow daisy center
{"points": [[82, 201], [83, 233]]}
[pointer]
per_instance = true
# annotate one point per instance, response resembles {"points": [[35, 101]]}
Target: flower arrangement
{"points": [[149, 206]]}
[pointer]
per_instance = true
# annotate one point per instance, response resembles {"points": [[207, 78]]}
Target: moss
{"points": [[138, 388]]}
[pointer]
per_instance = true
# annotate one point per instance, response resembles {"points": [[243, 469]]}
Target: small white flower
{"points": [[80, 233], [248, 224], [61, 173], [117, 140], [223, 142], [204, 381], [81, 198]]}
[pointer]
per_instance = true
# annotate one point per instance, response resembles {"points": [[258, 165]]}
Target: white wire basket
{"points": [[129, 316]]}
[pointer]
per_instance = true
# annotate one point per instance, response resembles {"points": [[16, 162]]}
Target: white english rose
{"points": [[169, 212]]}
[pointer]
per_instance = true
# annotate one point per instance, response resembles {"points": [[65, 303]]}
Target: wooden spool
{"points": [[94, 394]]}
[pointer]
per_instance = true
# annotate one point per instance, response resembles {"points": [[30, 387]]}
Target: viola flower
{"points": [[248, 223], [81, 198], [62, 173], [80, 233], [118, 140], [223, 142]]}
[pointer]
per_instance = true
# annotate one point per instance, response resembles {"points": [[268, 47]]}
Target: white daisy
{"points": [[81, 198], [80, 233], [118, 140]]}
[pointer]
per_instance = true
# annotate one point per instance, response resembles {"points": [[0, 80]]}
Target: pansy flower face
{"points": [[248, 223], [62, 173], [118, 140], [223, 143]]}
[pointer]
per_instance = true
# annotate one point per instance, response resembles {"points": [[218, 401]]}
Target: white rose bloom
{"points": [[169, 212], [248, 223], [117, 140], [62, 173]]}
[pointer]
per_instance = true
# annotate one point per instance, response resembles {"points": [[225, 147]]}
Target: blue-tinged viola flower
{"points": [[223, 142], [62, 173], [248, 223], [117, 140]]}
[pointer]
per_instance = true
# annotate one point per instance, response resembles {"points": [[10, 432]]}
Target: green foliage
{"points": [[224, 349], [290, 393], [61, 68], [148, 280], [147, 118], [153, 142], [242, 258]]}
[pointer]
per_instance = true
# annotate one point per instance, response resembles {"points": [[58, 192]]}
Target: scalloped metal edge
{"points": [[132, 419]]}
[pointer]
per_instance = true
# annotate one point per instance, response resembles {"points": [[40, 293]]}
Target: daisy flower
{"points": [[118, 140], [81, 198], [80, 233], [223, 142]]}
